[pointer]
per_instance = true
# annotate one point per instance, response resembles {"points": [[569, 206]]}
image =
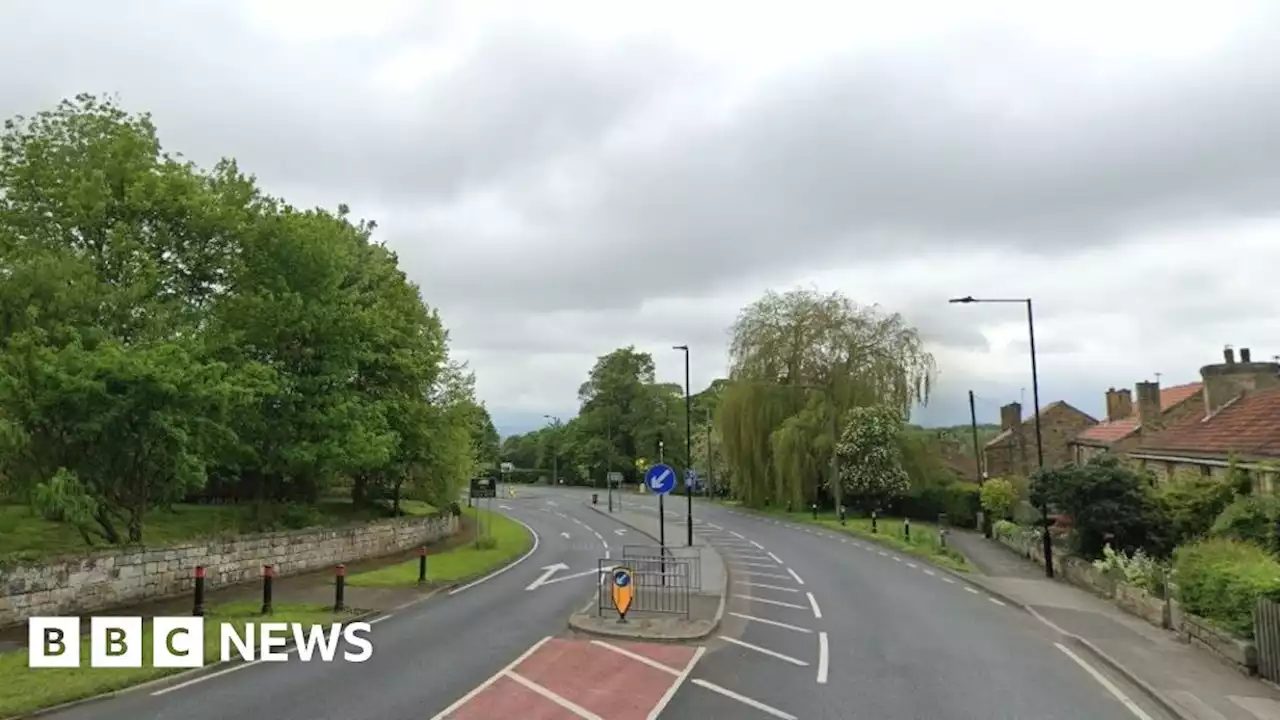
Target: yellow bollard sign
{"points": [[623, 592]]}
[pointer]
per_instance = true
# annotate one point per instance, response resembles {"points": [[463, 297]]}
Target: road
{"points": [[818, 626]]}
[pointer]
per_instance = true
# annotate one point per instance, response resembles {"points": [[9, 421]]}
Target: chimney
{"points": [[1119, 404], [1010, 416], [1228, 355], [1227, 381], [1149, 406]]}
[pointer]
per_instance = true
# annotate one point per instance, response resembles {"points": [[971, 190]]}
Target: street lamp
{"points": [[688, 443], [1035, 395], [555, 453]]}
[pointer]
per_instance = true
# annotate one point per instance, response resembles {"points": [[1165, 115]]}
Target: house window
{"points": [[1206, 471]]}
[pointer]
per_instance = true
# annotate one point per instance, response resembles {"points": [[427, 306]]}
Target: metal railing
{"points": [[1266, 636], [660, 585], [692, 556]]}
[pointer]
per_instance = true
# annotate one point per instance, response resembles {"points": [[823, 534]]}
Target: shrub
{"points": [[1192, 504], [1107, 503], [998, 498], [1221, 579], [1250, 519], [959, 501], [1006, 529], [1138, 570]]}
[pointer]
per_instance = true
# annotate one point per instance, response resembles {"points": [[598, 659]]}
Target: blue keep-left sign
{"points": [[661, 479]]}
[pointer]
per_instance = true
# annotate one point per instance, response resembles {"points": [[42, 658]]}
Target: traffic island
{"points": [[658, 627]]}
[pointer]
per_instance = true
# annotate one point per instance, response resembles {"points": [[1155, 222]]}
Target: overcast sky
{"points": [[563, 178]]}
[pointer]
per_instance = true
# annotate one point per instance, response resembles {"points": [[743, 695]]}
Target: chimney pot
{"points": [[1244, 355], [1228, 355]]}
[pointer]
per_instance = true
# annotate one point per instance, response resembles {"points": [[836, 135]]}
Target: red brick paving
{"points": [[597, 679]]}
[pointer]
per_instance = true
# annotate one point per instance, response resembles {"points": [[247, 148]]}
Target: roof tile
{"points": [[1249, 425], [1110, 431]]}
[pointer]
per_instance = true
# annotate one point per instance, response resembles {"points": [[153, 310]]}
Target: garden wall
{"points": [[113, 578]]}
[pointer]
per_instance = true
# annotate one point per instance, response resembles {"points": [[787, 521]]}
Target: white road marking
{"points": [[813, 604], [948, 580], [775, 576], [1104, 682], [380, 618], [776, 559], [564, 535], [212, 675], [758, 545], [762, 585], [713, 525], [779, 603], [884, 554], [565, 703], [493, 679], [598, 535], [823, 655], [507, 567], [1200, 709], [737, 535], [996, 601], [675, 686], [637, 657], [911, 565], [775, 623], [620, 532], [969, 589], [751, 564], [794, 575], [929, 573], [897, 559], [743, 556], [504, 507], [743, 699], [560, 514], [765, 651]]}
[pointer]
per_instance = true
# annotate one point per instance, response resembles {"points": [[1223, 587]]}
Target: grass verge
{"points": [[923, 542], [509, 540], [24, 689]]}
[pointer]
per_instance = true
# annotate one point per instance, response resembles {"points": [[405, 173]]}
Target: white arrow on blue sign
{"points": [[660, 478]]}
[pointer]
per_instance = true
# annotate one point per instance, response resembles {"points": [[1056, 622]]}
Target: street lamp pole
{"points": [[555, 452], [1035, 399], [688, 445]]}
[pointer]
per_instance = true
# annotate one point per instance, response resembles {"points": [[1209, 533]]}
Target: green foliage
{"points": [[1221, 580], [1138, 569], [959, 501], [1250, 519], [1192, 503], [171, 334], [998, 498], [1108, 503], [870, 458]]}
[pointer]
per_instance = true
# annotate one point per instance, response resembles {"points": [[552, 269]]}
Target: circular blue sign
{"points": [[621, 578], [661, 479]]}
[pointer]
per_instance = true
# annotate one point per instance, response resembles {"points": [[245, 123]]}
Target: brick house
{"points": [[1013, 451], [1125, 425], [1239, 417]]}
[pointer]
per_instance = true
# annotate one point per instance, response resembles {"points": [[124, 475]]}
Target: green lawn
{"points": [[510, 541], [25, 536], [923, 542], [25, 689]]}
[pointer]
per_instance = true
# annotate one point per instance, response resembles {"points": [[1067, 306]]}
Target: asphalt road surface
{"points": [[818, 626]]}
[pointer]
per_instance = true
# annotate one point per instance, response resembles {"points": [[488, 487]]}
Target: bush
{"points": [[1006, 529], [998, 498], [959, 501], [1250, 519], [1192, 505], [1221, 579], [1138, 570], [1108, 503]]}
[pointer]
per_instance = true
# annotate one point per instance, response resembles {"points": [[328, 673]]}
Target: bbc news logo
{"points": [[179, 642]]}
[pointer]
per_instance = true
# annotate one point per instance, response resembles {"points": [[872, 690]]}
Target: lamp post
{"points": [[688, 444], [1035, 395], [555, 453]]}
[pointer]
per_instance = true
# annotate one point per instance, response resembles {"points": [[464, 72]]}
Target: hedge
{"points": [[960, 502], [1221, 579]]}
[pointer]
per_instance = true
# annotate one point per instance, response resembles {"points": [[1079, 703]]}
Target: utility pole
{"points": [[555, 451], [688, 445], [711, 457], [977, 459]]}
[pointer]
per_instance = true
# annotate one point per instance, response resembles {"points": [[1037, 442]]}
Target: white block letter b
{"points": [[53, 642]]}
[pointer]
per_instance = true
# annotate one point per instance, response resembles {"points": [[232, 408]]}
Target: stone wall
{"points": [[114, 578]]}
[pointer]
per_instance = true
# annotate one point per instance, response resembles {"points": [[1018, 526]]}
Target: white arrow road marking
{"points": [[504, 507], [564, 535], [547, 572], [620, 531]]}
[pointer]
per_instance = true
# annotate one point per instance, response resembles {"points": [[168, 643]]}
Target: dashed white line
{"points": [[751, 564], [948, 580], [743, 699], [897, 559], [737, 535], [743, 556], [794, 575], [775, 576], [779, 603], [775, 623], [776, 559], [813, 604], [823, 655], [996, 601], [765, 651], [605, 543], [929, 573], [767, 587], [883, 554], [1104, 682], [911, 565], [758, 545], [969, 589], [713, 525]]}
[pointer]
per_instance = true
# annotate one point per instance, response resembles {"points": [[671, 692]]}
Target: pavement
{"points": [[815, 625], [1184, 681]]}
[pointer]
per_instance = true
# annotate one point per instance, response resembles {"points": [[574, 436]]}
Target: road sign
{"points": [[508, 467], [661, 479], [690, 478], [483, 488], [615, 478], [623, 591]]}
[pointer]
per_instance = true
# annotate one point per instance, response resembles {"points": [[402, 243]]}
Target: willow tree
{"points": [[798, 362]]}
